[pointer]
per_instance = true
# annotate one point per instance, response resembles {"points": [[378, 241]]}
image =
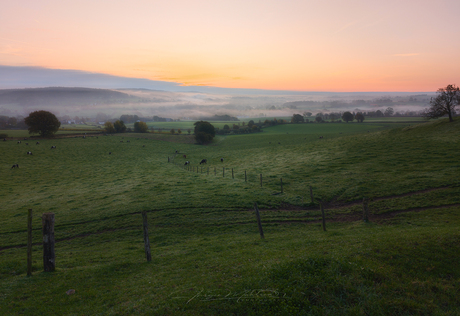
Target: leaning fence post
{"points": [[311, 194], [260, 180], [258, 221], [146, 237], [281, 180], [365, 210], [49, 256], [29, 242], [322, 214]]}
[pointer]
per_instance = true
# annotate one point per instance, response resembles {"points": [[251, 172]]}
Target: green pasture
{"points": [[207, 255]]}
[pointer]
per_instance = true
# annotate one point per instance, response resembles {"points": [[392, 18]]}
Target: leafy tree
{"points": [[226, 127], [389, 111], [140, 127], [204, 132], [251, 123], [179, 131], [359, 117], [119, 126], [347, 116], [108, 126], [297, 118], [43, 122], [172, 131], [444, 104], [319, 119], [379, 113], [307, 114]]}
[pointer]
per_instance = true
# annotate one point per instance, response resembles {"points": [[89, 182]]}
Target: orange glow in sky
{"points": [[356, 45]]}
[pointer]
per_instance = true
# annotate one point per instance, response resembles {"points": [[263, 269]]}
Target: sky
{"points": [[309, 45]]}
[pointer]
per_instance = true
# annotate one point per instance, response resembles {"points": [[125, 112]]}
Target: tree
{"points": [[444, 104], [251, 123], [307, 114], [297, 118], [389, 111], [319, 119], [108, 126], [119, 126], [140, 127], [347, 116], [43, 122], [359, 117], [204, 132]]}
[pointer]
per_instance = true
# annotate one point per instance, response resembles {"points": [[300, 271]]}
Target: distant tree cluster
{"points": [[11, 122]]}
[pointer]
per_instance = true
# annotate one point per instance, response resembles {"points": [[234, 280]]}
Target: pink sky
{"points": [[393, 45]]}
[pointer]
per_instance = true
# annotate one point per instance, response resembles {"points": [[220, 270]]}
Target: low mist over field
{"points": [[192, 105]]}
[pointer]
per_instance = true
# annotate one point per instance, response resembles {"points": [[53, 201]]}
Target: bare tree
{"points": [[444, 104]]}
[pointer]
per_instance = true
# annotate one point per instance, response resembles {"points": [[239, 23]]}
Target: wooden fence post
{"points": [[260, 180], [49, 256], [223, 172], [215, 171], [259, 223], [201, 170], [311, 194], [245, 176], [29, 242], [365, 210], [232, 174], [207, 172], [146, 237], [281, 180], [168, 159], [322, 214]]}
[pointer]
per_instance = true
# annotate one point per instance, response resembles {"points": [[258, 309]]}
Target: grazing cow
{"points": [[203, 161], [110, 153], [143, 145], [321, 137], [186, 163], [269, 142], [4, 139], [29, 153], [27, 144], [128, 141], [38, 143], [15, 166], [53, 147], [185, 156], [19, 142], [121, 141], [279, 143], [221, 159]]}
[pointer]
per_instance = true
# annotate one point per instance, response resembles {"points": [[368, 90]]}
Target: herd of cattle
{"points": [[203, 161]]}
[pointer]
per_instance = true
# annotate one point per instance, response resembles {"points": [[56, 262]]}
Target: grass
{"points": [[208, 258]]}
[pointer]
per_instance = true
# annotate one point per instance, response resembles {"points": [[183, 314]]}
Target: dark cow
{"points": [[221, 159], [19, 142], [27, 144], [185, 156], [320, 137], [53, 147], [15, 166], [143, 145], [38, 143], [203, 161], [29, 153], [128, 141], [110, 153], [4, 139], [186, 163]]}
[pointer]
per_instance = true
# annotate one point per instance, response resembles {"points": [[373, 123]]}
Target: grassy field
{"points": [[208, 257]]}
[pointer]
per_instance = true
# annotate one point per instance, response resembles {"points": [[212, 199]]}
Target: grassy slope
{"points": [[204, 238]]}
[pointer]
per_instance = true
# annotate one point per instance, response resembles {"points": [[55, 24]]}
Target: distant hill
{"points": [[59, 96]]}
